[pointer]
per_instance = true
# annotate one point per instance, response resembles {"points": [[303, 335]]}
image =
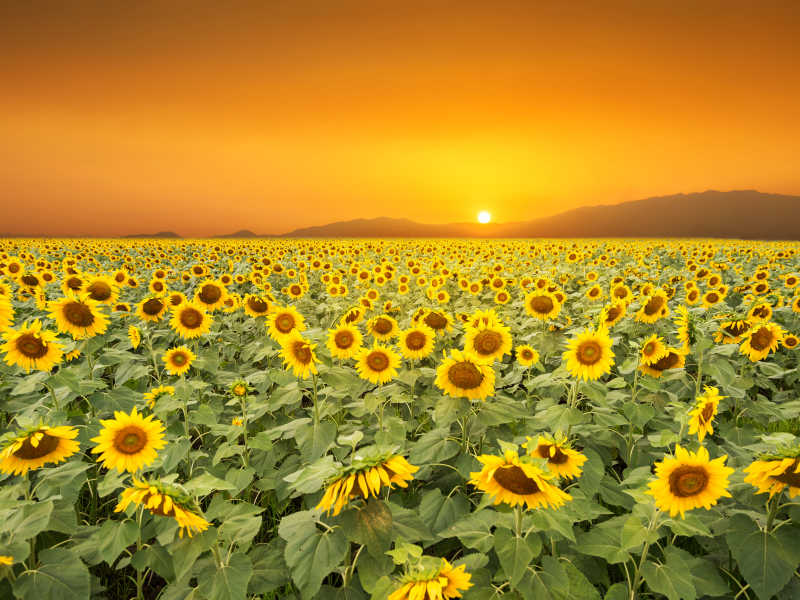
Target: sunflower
{"points": [[461, 375], [703, 413], [488, 343], [732, 332], [796, 304], [256, 306], [763, 338], [712, 298], [443, 583], [417, 342], [6, 313], [32, 448], [364, 478], [164, 500], [31, 348], [154, 394], [693, 296], [210, 294], [673, 359], [135, 336], [509, 480], [377, 364], [101, 289], [653, 308], [298, 354], [151, 309], [128, 442], [773, 472], [383, 327], [561, 459], [542, 305], [80, 317], [190, 320], [594, 293], [653, 350], [439, 321], [790, 341], [178, 360], [612, 314], [759, 313], [352, 316], [526, 355], [589, 355], [344, 341], [72, 355], [621, 293], [283, 321], [689, 480]]}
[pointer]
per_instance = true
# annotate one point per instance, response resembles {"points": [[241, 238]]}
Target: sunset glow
{"points": [[484, 217]]}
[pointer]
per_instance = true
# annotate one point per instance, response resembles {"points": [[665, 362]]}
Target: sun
{"points": [[484, 216]]}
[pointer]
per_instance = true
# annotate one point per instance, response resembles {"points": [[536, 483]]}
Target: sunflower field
{"points": [[399, 419]]}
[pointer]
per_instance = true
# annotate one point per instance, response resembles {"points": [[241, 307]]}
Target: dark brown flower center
{"points": [[284, 323], [210, 293], [667, 362], [74, 283], [382, 326], [513, 479], [620, 292], [435, 321], [589, 352], [526, 354], [762, 312], [790, 342], [654, 305], [130, 440], [541, 305], [789, 477], [487, 343], [99, 290], [377, 360], [191, 318], [688, 481], [416, 340], [707, 413], [78, 314], [612, 314], [736, 329], [343, 339], [28, 451], [30, 280], [295, 290], [257, 305], [712, 297], [179, 359], [152, 307], [761, 339], [302, 352], [650, 348], [465, 375], [558, 457], [31, 346]]}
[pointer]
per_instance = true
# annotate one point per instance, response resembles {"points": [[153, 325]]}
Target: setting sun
{"points": [[484, 217]]}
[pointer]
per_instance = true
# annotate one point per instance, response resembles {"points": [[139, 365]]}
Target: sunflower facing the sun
{"points": [[462, 375], [177, 361], [589, 354], [128, 442], [31, 347], [377, 364]]}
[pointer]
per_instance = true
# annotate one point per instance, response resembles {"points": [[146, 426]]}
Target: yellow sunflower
{"points": [[461, 375], [445, 583], [790, 341], [612, 314], [654, 307], [488, 343], [190, 320], [210, 294], [760, 313], [589, 355], [437, 320], [382, 327], [164, 500], [298, 355], [80, 317], [129, 442], [178, 360], [151, 309], [32, 448], [344, 341], [762, 338], [256, 306], [542, 305], [689, 480], [509, 480], [526, 355], [653, 350], [101, 289], [283, 321], [703, 413], [561, 459], [135, 336], [774, 472], [377, 364], [732, 332], [673, 359], [6, 313], [154, 394], [364, 478], [417, 342], [31, 348]]}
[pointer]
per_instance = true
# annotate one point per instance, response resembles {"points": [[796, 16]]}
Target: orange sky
{"points": [[196, 117]]}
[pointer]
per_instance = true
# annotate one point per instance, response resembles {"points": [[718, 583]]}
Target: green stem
{"points": [[245, 457], [637, 574], [316, 406], [518, 520]]}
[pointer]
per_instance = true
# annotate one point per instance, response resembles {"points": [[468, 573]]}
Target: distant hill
{"points": [[160, 234], [745, 214]]}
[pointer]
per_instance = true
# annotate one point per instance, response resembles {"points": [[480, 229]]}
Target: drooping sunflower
{"points": [[364, 478], [383, 327], [732, 332], [190, 320], [703, 413], [135, 336], [352, 316], [673, 359], [461, 375], [542, 305], [129, 442], [32, 448], [178, 360], [151, 309], [762, 338], [417, 342], [344, 341], [589, 354], [256, 306], [654, 307], [101, 289], [164, 500], [612, 314], [796, 304], [298, 355], [283, 321], [689, 480], [488, 343], [509, 480], [435, 583], [377, 364], [79, 316], [30, 347], [154, 394], [775, 471], [562, 459], [653, 350], [210, 294]]}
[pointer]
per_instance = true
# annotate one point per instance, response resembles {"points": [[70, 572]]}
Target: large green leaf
{"points": [[229, 582], [370, 525], [269, 567], [672, 577], [61, 575], [515, 553], [474, 531], [440, 511]]}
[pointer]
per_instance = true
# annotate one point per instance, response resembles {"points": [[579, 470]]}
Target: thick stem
{"points": [[637, 574]]}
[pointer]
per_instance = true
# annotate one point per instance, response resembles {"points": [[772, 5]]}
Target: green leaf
{"points": [[439, 511], [515, 553], [113, 537], [230, 581], [474, 531], [407, 525], [673, 577], [61, 576], [269, 567], [311, 478], [370, 526], [604, 540], [207, 483], [433, 447], [766, 560], [27, 521], [580, 588]]}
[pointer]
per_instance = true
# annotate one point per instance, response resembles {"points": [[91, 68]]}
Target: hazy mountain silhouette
{"points": [[160, 234], [745, 214]]}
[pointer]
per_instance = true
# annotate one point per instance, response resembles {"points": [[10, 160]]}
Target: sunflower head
{"points": [[164, 500], [31, 347], [377, 364], [29, 449], [589, 354], [702, 415], [526, 355], [129, 442], [417, 342], [462, 375], [488, 342], [432, 577], [772, 472], [154, 394], [298, 354]]}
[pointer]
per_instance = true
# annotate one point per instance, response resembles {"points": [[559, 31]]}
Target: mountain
{"points": [[745, 214], [160, 234]]}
